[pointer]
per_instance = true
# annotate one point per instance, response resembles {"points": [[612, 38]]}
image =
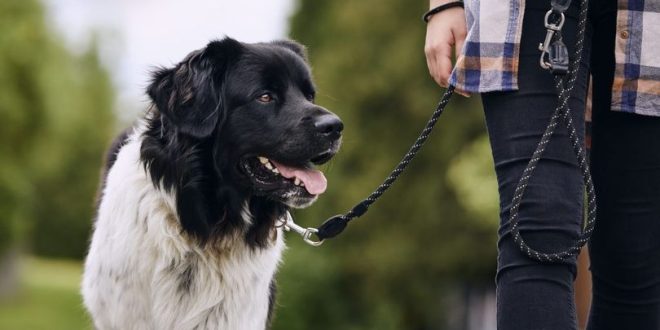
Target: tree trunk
{"points": [[9, 270]]}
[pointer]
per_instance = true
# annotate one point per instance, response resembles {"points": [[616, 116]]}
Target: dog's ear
{"points": [[189, 95], [293, 46]]}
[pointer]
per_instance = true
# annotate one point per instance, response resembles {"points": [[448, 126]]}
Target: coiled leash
{"points": [[554, 57]]}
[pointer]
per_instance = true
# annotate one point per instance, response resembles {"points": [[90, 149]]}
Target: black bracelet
{"points": [[440, 8]]}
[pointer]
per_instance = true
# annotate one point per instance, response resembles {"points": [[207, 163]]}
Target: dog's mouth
{"points": [[295, 185]]}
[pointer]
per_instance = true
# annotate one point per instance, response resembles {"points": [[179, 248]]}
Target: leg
{"points": [[531, 295], [625, 247]]}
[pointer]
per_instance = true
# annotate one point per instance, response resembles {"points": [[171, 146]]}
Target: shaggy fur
{"points": [[185, 235]]}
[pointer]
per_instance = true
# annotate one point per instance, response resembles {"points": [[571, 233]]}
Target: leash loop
{"points": [[554, 57], [564, 86]]}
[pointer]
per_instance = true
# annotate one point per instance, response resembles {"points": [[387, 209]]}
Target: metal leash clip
{"points": [[554, 54], [306, 233]]}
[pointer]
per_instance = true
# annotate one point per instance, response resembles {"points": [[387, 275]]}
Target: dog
{"points": [[186, 234]]}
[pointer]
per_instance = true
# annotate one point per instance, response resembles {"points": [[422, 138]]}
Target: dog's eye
{"points": [[265, 98], [310, 97]]}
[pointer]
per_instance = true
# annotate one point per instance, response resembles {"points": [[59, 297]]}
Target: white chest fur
{"points": [[141, 273]]}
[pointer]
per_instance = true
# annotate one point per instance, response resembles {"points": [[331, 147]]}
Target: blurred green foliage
{"points": [[55, 120], [48, 298], [434, 231], [436, 228]]}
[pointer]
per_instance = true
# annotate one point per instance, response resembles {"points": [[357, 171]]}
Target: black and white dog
{"points": [[186, 235]]}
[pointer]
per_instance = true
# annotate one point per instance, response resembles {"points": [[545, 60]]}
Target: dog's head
{"points": [[247, 113]]}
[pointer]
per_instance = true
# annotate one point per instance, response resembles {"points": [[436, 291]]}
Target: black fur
{"points": [[271, 302], [206, 120]]}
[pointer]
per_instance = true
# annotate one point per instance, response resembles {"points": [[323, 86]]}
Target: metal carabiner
{"points": [[306, 233], [551, 28]]}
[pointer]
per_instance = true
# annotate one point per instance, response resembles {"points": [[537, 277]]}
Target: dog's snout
{"points": [[329, 125]]}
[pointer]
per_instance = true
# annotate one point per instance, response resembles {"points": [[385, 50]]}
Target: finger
{"points": [[459, 33], [436, 73], [430, 63], [444, 65], [462, 93], [459, 46]]}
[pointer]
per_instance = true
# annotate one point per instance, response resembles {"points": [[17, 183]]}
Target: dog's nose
{"points": [[329, 125]]}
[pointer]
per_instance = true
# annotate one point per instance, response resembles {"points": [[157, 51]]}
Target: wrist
{"points": [[440, 8], [435, 3]]}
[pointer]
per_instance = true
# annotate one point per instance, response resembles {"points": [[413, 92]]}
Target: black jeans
{"points": [[625, 163]]}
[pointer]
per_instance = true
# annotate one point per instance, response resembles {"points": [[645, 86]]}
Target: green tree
{"points": [[393, 267], [55, 120]]}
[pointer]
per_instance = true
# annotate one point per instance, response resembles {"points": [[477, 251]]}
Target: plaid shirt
{"points": [[489, 60]]}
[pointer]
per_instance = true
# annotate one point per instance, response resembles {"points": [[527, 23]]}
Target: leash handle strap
{"points": [[336, 224], [562, 112]]}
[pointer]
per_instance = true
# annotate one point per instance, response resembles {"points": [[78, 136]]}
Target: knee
{"points": [[515, 268]]}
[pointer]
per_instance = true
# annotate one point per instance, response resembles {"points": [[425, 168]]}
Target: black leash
{"points": [[556, 62], [554, 57], [335, 225]]}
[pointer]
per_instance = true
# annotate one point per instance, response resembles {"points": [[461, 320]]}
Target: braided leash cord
{"points": [[562, 112], [335, 225], [409, 155]]}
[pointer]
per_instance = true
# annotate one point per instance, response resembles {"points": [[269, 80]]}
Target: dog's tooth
{"points": [[296, 182], [302, 184], [275, 170], [269, 165], [263, 160]]}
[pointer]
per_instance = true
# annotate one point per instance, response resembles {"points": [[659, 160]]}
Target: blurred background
{"points": [[72, 74]]}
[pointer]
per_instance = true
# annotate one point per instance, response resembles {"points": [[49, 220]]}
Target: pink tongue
{"points": [[314, 180]]}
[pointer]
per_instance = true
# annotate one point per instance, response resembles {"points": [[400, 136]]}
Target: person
{"points": [[496, 45]]}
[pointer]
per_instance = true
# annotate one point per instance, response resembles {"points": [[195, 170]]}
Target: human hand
{"points": [[444, 31]]}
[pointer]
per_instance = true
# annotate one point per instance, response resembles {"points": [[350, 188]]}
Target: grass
{"points": [[48, 298]]}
